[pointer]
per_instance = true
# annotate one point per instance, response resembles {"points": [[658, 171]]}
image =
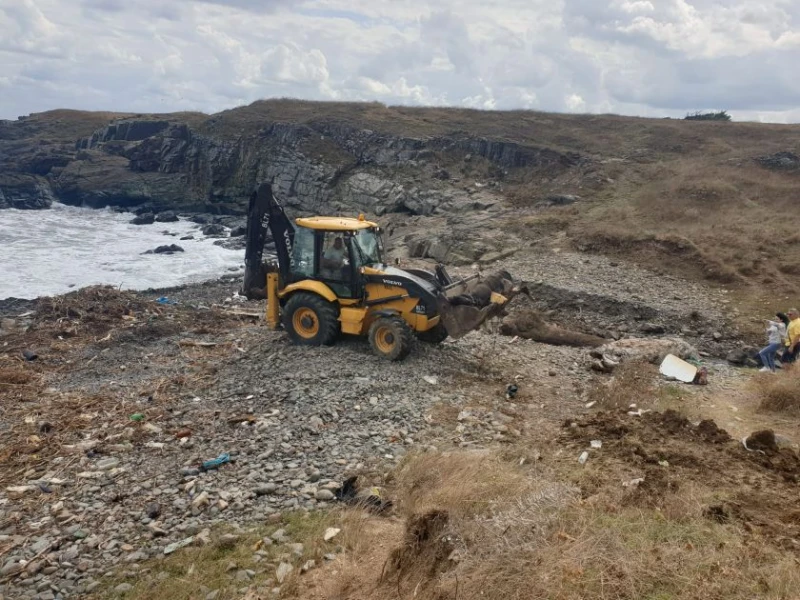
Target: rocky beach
{"points": [[159, 441]]}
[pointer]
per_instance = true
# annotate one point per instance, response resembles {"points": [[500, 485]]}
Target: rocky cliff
{"points": [[198, 163], [320, 163]]}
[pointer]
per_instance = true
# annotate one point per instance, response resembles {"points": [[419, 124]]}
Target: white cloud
{"points": [[646, 57]]}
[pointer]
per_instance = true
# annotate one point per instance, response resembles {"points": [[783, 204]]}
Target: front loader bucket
{"points": [[460, 319]]}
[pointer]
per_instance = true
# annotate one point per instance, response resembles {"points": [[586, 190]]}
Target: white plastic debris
{"points": [[673, 367], [432, 379], [633, 482], [583, 458], [330, 533], [596, 444]]}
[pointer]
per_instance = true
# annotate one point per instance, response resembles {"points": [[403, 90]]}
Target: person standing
{"points": [[776, 334], [792, 337]]}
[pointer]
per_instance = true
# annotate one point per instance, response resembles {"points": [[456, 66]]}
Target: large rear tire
{"points": [[436, 335], [391, 338], [310, 320]]}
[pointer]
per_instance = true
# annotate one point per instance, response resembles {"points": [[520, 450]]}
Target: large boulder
{"points": [[25, 192], [746, 356], [167, 217], [647, 350], [171, 249], [214, 230], [145, 219]]}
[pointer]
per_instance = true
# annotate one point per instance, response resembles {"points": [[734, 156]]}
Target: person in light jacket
{"points": [[776, 334]]}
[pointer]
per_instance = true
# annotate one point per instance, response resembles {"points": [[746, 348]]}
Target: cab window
{"points": [[303, 257], [335, 259]]}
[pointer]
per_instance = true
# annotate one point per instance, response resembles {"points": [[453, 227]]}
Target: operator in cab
{"points": [[333, 259]]}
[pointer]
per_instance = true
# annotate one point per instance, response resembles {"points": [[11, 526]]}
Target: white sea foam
{"points": [[47, 252]]}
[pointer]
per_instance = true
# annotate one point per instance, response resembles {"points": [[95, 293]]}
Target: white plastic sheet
{"points": [[676, 368]]}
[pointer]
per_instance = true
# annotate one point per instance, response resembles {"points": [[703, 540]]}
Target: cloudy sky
{"points": [[638, 57]]}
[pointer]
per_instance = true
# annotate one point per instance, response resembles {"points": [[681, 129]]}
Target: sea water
{"points": [[48, 252]]}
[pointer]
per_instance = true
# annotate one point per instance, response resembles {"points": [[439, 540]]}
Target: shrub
{"points": [[711, 116]]}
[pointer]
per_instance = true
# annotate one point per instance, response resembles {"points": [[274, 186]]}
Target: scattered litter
{"points": [[197, 344], [156, 445], [511, 391], [137, 417], [330, 533], [702, 377], [29, 355], [596, 444], [152, 428], [201, 500], [638, 413], [18, 491], [165, 300], [374, 500], [216, 462], [633, 482], [107, 463], [178, 545], [675, 368], [583, 458], [432, 379], [591, 404], [663, 463]]}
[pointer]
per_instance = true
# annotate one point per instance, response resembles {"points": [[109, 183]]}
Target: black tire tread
{"points": [[401, 330], [327, 313]]}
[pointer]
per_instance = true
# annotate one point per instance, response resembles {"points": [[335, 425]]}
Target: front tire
{"points": [[310, 320], [391, 338]]}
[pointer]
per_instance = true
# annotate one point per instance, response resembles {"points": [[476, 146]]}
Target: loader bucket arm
{"points": [[468, 304], [265, 213]]}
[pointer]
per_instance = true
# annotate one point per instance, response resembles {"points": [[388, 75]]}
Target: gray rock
{"points": [[213, 230], [324, 495], [106, 463], [123, 588], [283, 571], [144, 219], [228, 541], [167, 217], [266, 488], [153, 510]]}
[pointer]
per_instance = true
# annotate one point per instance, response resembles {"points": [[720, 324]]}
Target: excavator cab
{"points": [[334, 250], [331, 279]]}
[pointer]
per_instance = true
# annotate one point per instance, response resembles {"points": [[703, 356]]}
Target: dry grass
{"points": [[536, 539], [194, 571], [633, 383], [781, 392], [10, 376], [467, 483]]}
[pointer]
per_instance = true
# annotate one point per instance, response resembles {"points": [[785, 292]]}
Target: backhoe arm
{"points": [[265, 213]]}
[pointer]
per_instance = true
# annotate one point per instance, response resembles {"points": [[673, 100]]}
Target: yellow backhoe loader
{"points": [[331, 279]]}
